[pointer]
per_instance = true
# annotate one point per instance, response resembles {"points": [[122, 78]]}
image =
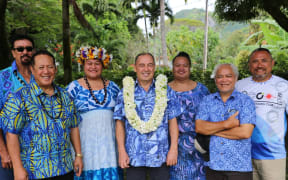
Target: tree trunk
{"points": [[275, 11], [67, 63], [146, 31], [4, 45], [145, 23], [205, 54], [163, 37]]}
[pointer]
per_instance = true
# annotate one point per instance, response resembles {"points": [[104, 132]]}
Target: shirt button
{"points": [[221, 153], [222, 143]]}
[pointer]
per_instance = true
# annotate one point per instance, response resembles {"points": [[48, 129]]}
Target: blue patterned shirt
{"points": [[9, 82], [148, 149], [227, 154], [43, 124]]}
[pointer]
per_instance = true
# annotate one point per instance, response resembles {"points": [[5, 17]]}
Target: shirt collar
{"points": [[37, 90], [270, 79], [233, 95], [151, 85], [14, 66]]}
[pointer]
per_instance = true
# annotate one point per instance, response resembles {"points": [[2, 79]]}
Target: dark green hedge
{"points": [[199, 76]]}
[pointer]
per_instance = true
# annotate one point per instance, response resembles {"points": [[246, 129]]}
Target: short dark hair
{"points": [[21, 37], [258, 50], [142, 54], [182, 54], [42, 52]]}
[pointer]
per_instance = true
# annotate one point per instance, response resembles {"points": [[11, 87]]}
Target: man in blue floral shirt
{"points": [[41, 122], [11, 79], [144, 122], [229, 117]]}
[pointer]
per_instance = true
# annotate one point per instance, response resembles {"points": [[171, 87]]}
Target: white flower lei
{"points": [[159, 107]]}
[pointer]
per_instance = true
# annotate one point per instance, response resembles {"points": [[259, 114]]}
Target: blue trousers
{"points": [[6, 174]]}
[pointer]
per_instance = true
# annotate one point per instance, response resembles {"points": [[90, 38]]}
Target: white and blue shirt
{"points": [[228, 154], [271, 101], [148, 149]]}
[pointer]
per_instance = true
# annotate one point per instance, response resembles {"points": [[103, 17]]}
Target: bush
{"points": [[196, 75]]}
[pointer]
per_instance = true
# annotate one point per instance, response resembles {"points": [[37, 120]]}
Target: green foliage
{"points": [[228, 48], [188, 22], [242, 59], [199, 76], [191, 42], [196, 14], [281, 63], [41, 19], [151, 10], [239, 10]]}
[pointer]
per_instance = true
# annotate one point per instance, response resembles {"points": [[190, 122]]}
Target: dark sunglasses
{"points": [[21, 49]]}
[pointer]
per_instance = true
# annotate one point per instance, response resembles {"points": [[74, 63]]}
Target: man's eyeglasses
{"points": [[21, 49]]}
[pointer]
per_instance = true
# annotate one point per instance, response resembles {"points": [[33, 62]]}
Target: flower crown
{"points": [[85, 53]]}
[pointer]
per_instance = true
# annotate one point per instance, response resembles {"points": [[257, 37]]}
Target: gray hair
{"points": [[216, 68]]}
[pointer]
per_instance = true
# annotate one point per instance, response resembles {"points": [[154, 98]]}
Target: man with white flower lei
{"points": [[145, 115]]}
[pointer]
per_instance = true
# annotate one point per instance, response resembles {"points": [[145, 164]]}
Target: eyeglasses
{"points": [[21, 49]]}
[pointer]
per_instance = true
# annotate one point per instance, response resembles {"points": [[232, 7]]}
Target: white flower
{"points": [[159, 107]]}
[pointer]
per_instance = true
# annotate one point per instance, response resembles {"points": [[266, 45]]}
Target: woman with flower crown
{"points": [[94, 98], [190, 164]]}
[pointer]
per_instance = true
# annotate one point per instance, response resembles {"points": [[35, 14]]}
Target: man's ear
{"points": [[134, 67], [13, 53]]}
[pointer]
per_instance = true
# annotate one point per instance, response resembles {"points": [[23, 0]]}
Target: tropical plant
{"points": [[191, 42], [243, 10]]}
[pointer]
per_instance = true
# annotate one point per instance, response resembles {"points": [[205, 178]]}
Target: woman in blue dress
{"points": [[94, 98], [190, 163]]}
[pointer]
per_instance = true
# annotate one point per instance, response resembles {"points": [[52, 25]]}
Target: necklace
{"points": [[19, 79], [159, 108], [92, 94], [61, 105]]}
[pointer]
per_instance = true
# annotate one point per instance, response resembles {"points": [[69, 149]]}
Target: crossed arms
{"points": [[230, 128]]}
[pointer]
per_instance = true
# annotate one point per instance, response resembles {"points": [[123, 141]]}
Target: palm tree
{"points": [[99, 7], [67, 64], [205, 54], [152, 10], [163, 36]]}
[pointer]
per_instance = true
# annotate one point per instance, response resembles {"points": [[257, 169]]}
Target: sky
{"points": [[178, 5]]}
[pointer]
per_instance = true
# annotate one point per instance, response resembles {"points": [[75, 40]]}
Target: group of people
{"points": [[94, 130]]}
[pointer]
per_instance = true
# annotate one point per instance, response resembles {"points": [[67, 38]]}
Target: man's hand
{"points": [[124, 159], [78, 166], [20, 174], [171, 159], [5, 159], [232, 122]]}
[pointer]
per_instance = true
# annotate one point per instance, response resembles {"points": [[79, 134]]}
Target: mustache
{"points": [[26, 55], [260, 68]]}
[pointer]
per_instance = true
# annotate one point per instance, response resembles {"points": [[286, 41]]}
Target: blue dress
{"points": [[190, 164], [97, 131]]}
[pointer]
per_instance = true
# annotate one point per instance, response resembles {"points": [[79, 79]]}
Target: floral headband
{"points": [[85, 53]]}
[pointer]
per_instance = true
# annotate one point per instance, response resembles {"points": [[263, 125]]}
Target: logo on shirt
{"points": [[261, 95]]}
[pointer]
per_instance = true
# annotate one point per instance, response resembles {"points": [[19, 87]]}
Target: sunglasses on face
{"points": [[21, 49]]}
